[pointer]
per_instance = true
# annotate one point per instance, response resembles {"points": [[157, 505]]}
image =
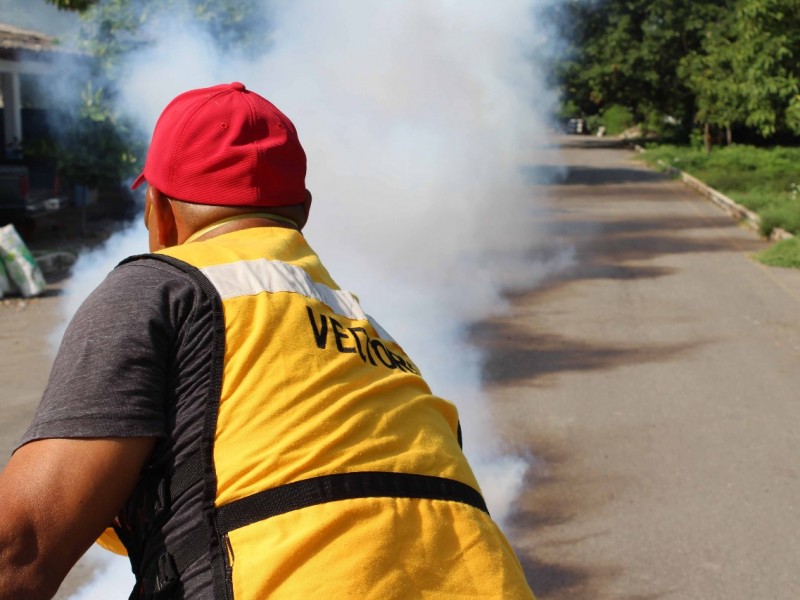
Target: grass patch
{"points": [[736, 169], [785, 253], [765, 180]]}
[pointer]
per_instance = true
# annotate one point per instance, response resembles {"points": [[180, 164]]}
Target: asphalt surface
{"points": [[654, 383]]}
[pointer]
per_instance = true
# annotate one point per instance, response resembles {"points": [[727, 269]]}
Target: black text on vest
{"points": [[356, 340]]}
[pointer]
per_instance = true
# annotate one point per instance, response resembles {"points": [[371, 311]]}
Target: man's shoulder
{"points": [[151, 266], [140, 286], [149, 270]]}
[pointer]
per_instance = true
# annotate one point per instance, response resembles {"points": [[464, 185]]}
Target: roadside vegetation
{"points": [[716, 82], [765, 180], [96, 144]]}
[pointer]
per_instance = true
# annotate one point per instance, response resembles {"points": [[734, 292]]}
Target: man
{"points": [[246, 429]]}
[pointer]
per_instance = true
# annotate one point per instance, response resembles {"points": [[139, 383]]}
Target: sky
{"points": [[37, 15]]}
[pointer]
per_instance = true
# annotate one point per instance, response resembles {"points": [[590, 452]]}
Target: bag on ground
{"points": [[6, 285]]}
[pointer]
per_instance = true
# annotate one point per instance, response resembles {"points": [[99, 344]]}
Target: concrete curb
{"points": [[737, 211]]}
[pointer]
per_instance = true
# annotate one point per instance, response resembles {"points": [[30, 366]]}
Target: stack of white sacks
{"points": [[19, 272]]}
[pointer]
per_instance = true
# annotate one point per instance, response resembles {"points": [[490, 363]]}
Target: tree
{"points": [[628, 52], [713, 74], [768, 51], [97, 145], [745, 72], [721, 63], [110, 25]]}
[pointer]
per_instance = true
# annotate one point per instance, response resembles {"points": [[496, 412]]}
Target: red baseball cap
{"points": [[226, 145]]}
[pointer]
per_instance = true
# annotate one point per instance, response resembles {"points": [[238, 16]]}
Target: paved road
{"points": [[657, 381]]}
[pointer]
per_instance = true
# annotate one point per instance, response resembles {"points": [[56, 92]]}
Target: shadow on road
{"points": [[584, 175], [592, 143], [558, 492], [514, 355], [616, 248], [625, 225]]}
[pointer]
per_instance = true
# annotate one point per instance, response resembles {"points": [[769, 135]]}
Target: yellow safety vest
{"points": [[338, 474]]}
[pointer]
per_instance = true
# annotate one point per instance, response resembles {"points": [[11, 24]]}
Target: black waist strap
{"points": [[343, 486], [166, 571]]}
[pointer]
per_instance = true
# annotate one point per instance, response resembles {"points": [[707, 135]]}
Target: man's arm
{"points": [[56, 497]]}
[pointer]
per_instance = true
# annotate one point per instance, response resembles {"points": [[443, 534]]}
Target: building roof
{"points": [[27, 46], [14, 38]]}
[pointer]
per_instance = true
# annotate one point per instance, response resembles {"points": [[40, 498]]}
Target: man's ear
{"points": [[164, 230], [306, 208]]}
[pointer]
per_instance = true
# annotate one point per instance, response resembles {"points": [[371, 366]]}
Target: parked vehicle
{"points": [[29, 189], [576, 126]]}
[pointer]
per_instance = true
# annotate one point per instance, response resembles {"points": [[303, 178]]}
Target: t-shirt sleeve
{"points": [[110, 376]]}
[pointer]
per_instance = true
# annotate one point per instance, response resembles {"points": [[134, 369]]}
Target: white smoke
{"points": [[111, 576], [417, 118], [92, 267]]}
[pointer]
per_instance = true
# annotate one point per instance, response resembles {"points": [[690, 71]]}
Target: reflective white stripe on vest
{"points": [[252, 277]]}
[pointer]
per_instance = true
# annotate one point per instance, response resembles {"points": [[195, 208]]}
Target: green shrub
{"points": [[770, 219], [616, 119], [593, 122], [784, 216], [655, 124], [697, 139], [569, 109]]}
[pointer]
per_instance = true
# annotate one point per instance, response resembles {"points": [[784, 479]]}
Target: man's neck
{"points": [[238, 222]]}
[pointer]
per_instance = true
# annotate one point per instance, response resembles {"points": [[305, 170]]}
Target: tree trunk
{"points": [[707, 137], [729, 135]]}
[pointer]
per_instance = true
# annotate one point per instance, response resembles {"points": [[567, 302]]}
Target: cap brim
{"points": [[139, 181]]}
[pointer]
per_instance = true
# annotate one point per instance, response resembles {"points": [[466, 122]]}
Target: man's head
{"points": [[171, 222], [225, 147]]}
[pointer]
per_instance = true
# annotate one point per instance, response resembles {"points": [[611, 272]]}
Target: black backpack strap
{"points": [[161, 579], [159, 576]]}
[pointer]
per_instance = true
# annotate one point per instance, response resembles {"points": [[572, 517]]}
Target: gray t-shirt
{"points": [[110, 376], [134, 362]]}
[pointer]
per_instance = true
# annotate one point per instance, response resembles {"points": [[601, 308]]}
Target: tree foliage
{"points": [[98, 144], [725, 63], [113, 28], [769, 48]]}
